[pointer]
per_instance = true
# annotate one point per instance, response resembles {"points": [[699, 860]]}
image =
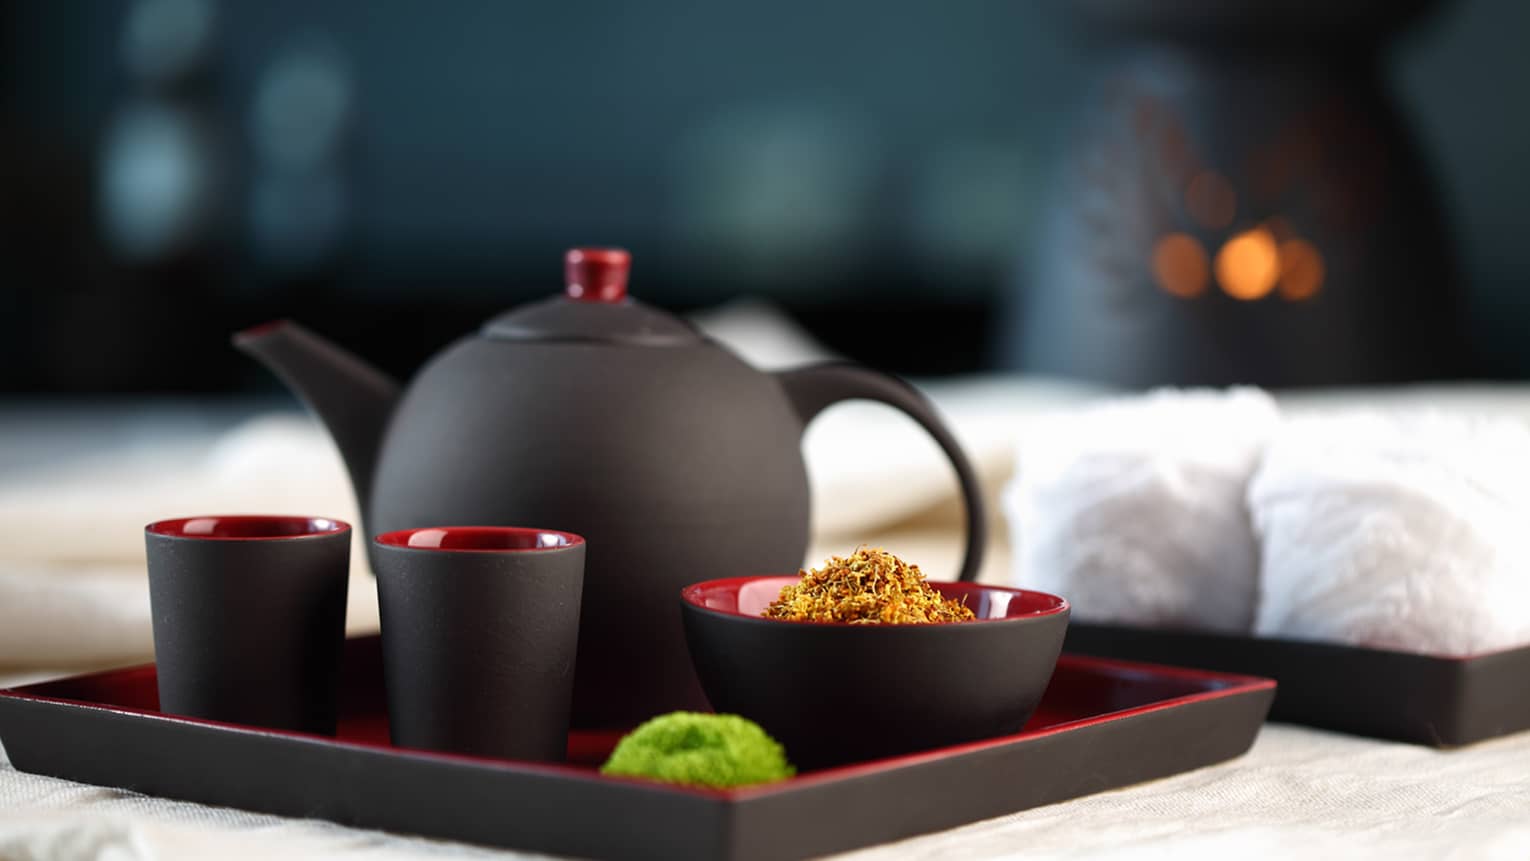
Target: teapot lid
{"points": [[594, 307]]}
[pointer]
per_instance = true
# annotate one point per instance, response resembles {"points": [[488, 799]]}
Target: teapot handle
{"points": [[815, 387]]}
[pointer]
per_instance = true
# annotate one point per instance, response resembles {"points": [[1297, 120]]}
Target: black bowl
{"points": [[836, 693]]}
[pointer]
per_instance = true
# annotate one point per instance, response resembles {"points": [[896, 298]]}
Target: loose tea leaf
{"points": [[869, 587]]}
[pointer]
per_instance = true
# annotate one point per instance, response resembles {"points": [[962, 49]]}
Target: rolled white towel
{"points": [[1133, 509], [1408, 533]]}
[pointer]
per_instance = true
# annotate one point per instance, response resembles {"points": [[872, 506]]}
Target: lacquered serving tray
{"points": [[1422, 699], [1102, 724]]}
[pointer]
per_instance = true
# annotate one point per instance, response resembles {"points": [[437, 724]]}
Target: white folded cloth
{"points": [[1133, 508], [71, 615], [94, 509], [1401, 532]]}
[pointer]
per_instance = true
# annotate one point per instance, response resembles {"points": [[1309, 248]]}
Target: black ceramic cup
{"points": [[479, 630], [836, 693], [249, 617]]}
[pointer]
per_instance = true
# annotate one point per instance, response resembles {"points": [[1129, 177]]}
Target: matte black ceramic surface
{"points": [[1423, 699], [479, 629], [836, 693], [249, 617], [1102, 725], [597, 414]]}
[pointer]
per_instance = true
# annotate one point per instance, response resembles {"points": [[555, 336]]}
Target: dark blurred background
{"points": [[392, 174]]}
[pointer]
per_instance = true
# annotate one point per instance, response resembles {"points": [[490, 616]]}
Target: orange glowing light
{"points": [[1301, 270], [1180, 266], [1279, 228], [1248, 265], [1210, 200]]}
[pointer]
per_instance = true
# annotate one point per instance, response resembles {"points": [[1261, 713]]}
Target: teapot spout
{"points": [[351, 398]]}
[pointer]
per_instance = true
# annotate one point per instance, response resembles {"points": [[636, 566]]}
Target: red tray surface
{"points": [[1102, 724], [1083, 690]]}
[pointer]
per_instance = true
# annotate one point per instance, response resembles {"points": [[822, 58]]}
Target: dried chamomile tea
{"points": [[868, 587]]}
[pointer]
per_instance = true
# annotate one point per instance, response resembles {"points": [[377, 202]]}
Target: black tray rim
{"points": [[1208, 718], [1438, 700], [1336, 647], [1230, 685]]}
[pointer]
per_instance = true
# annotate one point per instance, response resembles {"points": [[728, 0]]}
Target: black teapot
{"points": [[594, 413]]}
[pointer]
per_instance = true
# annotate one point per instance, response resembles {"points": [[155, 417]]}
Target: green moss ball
{"points": [[700, 750]]}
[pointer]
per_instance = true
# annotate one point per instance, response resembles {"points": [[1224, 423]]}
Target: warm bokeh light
{"points": [[1180, 266], [1279, 228], [1248, 265], [1210, 200], [1301, 270]]}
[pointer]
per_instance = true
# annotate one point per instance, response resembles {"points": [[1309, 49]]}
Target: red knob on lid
{"points": [[596, 274]]}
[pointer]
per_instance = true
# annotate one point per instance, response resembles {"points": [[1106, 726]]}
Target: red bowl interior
{"points": [[747, 597], [247, 527], [479, 538]]}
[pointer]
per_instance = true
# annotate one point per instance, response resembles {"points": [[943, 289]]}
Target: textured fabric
{"points": [[1408, 533], [1299, 793], [1134, 510]]}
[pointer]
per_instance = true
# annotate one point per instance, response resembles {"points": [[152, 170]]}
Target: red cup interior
{"points": [[748, 597], [247, 527], [479, 538]]}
